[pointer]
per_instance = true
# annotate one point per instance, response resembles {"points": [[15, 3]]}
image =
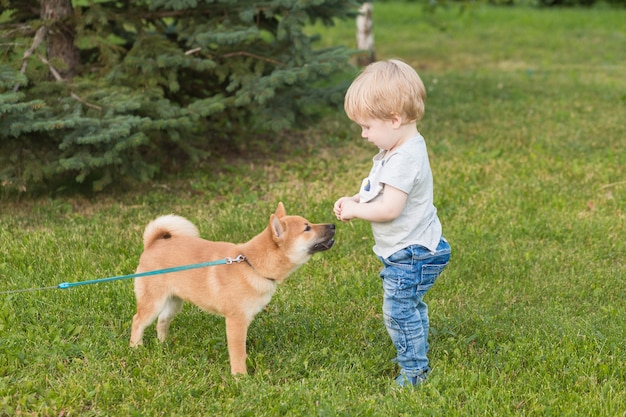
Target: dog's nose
{"points": [[332, 226]]}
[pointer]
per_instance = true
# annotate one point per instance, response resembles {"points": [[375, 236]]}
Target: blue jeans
{"points": [[406, 276]]}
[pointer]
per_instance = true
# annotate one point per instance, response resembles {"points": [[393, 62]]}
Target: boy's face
{"points": [[382, 133]]}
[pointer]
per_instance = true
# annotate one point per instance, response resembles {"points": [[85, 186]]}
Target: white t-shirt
{"points": [[407, 168]]}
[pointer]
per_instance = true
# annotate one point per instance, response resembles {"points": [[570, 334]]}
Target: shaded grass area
{"points": [[526, 137]]}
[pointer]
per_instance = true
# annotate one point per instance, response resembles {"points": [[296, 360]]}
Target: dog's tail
{"points": [[165, 227]]}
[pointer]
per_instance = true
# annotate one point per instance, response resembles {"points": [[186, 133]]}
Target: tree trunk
{"points": [[62, 54], [365, 34]]}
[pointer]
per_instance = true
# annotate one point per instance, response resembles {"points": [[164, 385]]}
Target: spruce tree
{"points": [[141, 80]]}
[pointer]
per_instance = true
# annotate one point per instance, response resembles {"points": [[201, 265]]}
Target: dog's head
{"points": [[299, 238]]}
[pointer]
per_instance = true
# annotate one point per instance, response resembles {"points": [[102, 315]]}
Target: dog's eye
{"points": [[307, 228]]}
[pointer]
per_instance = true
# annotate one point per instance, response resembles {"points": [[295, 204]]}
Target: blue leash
{"points": [[65, 285]]}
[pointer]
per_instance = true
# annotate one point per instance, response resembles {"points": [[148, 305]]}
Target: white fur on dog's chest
{"points": [[260, 304]]}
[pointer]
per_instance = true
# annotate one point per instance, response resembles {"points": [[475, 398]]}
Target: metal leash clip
{"points": [[238, 259]]}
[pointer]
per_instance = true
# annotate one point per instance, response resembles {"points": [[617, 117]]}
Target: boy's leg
{"points": [[430, 271], [422, 309], [404, 325], [407, 276]]}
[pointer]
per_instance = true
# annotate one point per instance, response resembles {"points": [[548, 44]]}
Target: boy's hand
{"points": [[339, 208], [348, 210], [384, 209]]}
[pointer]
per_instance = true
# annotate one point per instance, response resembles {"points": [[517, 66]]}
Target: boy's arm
{"points": [[385, 209]]}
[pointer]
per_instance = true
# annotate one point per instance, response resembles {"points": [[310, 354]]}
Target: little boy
{"points": [[387, 100]]}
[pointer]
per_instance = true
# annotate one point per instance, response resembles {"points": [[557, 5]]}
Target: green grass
{"points": [[525, 127]]}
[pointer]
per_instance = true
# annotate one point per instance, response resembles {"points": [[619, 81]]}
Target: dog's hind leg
{"points": [[146, 313], [172, 307], [236, 333]]}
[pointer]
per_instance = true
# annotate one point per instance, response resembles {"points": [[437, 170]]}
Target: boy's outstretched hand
{"points": [[340, 208]]}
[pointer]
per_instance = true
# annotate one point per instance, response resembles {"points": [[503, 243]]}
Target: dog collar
{"points": [[244, 258]]}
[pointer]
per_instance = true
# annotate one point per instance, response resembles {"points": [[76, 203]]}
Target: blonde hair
{"points": [[385, 89]]}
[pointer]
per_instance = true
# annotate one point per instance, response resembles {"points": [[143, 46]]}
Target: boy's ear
{"points": [[396, 120]]}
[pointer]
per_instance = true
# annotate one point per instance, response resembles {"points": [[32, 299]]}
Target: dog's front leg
{"points": [[236, 333]]}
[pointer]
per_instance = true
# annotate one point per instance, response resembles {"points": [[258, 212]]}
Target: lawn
{"points": [[525, 127]]}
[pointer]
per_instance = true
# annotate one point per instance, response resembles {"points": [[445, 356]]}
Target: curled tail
{"points": [[165, 227]]}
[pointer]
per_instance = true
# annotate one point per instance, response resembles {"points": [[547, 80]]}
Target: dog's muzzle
{"points": [[327, 243]]}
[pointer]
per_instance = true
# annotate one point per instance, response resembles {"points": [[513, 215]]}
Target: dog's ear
{"points": [[280, 210], [278, 231]]}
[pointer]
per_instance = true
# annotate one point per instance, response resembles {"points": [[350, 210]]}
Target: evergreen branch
{"points": [[241, 53], [17, 27], [159, 15], [80, 100], [53, 70], [173, 13], [262, 58], [39, 37], [58, 77], [192, 51]]}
